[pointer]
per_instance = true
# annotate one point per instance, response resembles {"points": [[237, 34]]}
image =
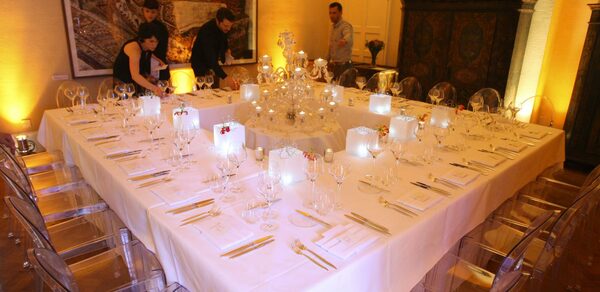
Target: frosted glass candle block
{"points": [[150, 105], [441, 116], [235, 137], [357, 140], [186, 118], [337, 93], [290, 162], [403, 127], [249, 92], [380, 103]]}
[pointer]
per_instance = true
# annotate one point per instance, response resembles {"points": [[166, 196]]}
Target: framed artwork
{"points": [[97, 29]]}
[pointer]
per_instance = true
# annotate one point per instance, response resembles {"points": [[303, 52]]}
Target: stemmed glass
{"points": [[152, 123], [435, 95], [339, 171], [396, 88], [104, 101], [188, 136], [120, 90], [237, 155], [313, 168], [200, 81], [163, 85], [328, 76], [361, 82], [513, 109], [70, 93], [440, 133], [398, 148], [226, 170], [375, 147], [268, 189], [476, 103], [179, 143], [83, 93], [129, 90], [209, 80]]}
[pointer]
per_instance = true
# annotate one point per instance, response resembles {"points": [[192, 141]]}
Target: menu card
{"points": [[487, 159], [345, 241], [460, 176], [224, 231], [419, 199]]}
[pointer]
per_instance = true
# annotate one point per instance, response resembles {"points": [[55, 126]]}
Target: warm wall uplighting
{"points": [[183, 79], [16, 101]]}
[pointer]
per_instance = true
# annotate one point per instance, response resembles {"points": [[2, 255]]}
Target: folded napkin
{"points": [[345, 241], [115, 147], [512, 146], [419, 199], [97, 133], [137, 167], [80, 120], [534, 134], [224, 231], [487, 159], [174, 194], [460, 176]]}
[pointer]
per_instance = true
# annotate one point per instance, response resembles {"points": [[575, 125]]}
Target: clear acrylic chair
{"points": [[175, 287], [129, 267], [70, 238], [348, 78], [411, 89], [448, 94], [382, 81], [491, 98], [41, 162], [478, 267], [61, 99], [107, 85], [40, 183]]}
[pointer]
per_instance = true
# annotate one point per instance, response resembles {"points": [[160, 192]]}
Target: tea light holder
{"points": [[403, 127], [321, 112], [186, 118], [265, 94], [291, 163], [259, 153], [235, 137], [249, 92], [22, 144], [271, 113], [380, 103], [357, 140], [441, 116], [150, 105], [331, 105], [258, 109], [328, 155]]}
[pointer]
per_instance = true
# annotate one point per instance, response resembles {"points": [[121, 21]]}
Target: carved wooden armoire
{"points": [[468, 43]]}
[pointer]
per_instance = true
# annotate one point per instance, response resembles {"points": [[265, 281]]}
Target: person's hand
{"points": [[157, 91], [231, 83], [342, 43], [7, 140]]}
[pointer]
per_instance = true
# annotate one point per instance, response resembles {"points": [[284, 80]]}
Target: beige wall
{"points": [[34, 48]]}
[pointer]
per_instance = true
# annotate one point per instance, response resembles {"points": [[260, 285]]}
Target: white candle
{"points": [[266, 59], [259, 153], [271, 114], [328, 157], [258, 110], [321, 112], [331, 105], [302, 115]]}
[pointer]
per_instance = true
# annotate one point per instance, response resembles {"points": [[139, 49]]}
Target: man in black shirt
{"points": [[211, 46], [150, 10]]}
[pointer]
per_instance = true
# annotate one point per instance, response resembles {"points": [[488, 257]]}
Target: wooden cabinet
{"points": [[582, 125], [468, 43]]}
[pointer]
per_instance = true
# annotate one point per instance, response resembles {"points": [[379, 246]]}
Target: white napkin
{"points": [[174, 194], [137, 167], [224, 231], [115, 147], [97, 133], [534, 134], [418, 199], [460, 176], [80, 120], [487, 159], [512, 146], [345, 241]]}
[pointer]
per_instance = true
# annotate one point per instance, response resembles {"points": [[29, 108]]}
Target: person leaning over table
{"points": [[339, 53], [7, 140], [131, 60], [211, 45], [150, 11]]}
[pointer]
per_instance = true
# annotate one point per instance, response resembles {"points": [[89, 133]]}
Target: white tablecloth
{"points": [[393, 263]]}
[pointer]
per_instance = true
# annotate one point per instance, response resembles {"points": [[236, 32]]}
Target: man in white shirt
{"points": [[339, 53]]}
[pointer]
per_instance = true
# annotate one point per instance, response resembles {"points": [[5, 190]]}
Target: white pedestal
{"points": [[357, 140], [380, 103]]}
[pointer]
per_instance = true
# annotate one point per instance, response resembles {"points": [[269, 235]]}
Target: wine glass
{"points": [[237, 155], [361, 82], [268, 189], [120, 90], [339, 171], [513, 109], [398, 148], [151, 123], [435, 95], [328, 76], [312, 169], [476, 102], [83, 93], [129, 90], [163, 85], [188, 135], [440, 133], [375, 147], [396, 88], [104, 101], [70, 93], [226, 170], [209, 80]]}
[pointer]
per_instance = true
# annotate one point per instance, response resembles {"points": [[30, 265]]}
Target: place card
{"points": [[224, 231], [487, 159], [460, 176], [419, 199], [512, 146], [344, 241], [534, 134], [137, 167]]}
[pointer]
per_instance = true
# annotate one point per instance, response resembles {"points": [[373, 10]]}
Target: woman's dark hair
{"points": [[336, 5], [146, 31], [225, 13], [151, 4]]}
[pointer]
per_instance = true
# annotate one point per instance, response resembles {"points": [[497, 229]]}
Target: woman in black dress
{"points": [[135, 55]]}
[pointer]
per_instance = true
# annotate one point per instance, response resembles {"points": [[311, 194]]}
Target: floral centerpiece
{"points": [[383, 131], [374, 46]]}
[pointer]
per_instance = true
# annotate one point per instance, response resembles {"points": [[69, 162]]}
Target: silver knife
{"points": [[149, 175], [123, 154], [469, 167], [432, 188]]}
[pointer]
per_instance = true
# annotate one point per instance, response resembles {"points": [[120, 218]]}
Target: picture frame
{"points": [[96, 30]]}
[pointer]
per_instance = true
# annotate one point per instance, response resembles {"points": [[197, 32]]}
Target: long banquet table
{"points": [[392, 263]]}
